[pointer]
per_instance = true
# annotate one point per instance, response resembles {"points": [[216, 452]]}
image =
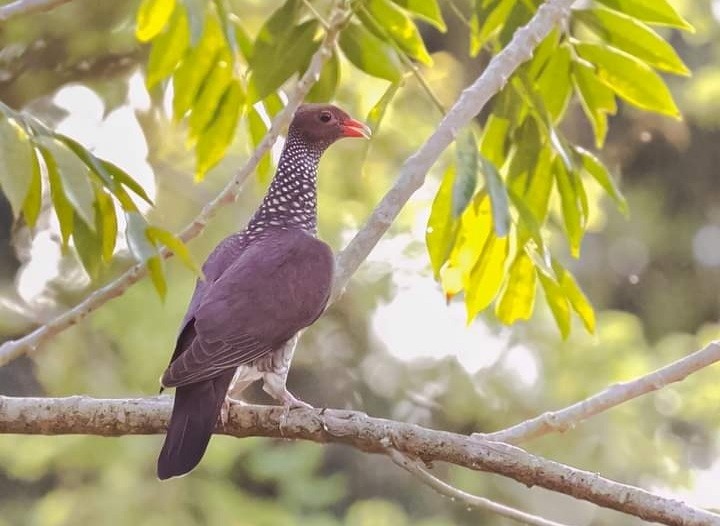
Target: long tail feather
{"points": [[194, 415]]}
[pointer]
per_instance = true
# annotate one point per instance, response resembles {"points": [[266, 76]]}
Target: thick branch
{"points": [[30, 342], [81, 415], [563, 419], [471, 102], [24, 7]]}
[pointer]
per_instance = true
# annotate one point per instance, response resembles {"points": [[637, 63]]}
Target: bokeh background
{"points": [[391, 346]]}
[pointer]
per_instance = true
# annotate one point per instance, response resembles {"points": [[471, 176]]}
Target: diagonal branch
{"points": [[24, 7], [563, 419], [107, 417], [416, 468], [32, 341]]}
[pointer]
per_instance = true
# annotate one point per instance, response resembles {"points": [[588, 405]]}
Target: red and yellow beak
{"points": [[353, 128]]}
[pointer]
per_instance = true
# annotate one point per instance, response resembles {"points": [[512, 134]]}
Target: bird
{"points": [[261, 286]]}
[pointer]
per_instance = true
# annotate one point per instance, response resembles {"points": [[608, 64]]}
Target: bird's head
{"points": [[323, 124]]}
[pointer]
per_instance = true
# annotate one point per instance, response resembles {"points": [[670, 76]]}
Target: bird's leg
{"points": [[244, 376], [275, 378]]}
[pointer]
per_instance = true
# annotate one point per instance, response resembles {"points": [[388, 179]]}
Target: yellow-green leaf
{"points": [[168, 49], [498, 197], [157, 275], [88, 247], [120, 176], [518, 298], [324, 89], [442, 226], [17, 163], [397, 25], [557, 301], [33, 201], [466, 172], [659, 12], [208, 99], [572, 208], [428, 10], [370, 54], [105, 223], [75, 175], [258, 129], [553, 84], [596, 99], [597, 169], [634, 37], [377, 112], [493, 138], [630, 78], [492, 23], [575, 295], [140, 245], [486, 276], [180, 249], [152, 17], [61, 204], [214, 142]]}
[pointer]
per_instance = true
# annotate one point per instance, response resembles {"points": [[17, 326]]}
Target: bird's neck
{"points": [[291, 200]]}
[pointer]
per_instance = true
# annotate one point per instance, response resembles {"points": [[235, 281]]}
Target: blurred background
{"points": [[391, 346]]}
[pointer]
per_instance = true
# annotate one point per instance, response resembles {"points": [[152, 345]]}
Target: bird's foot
{"points": [[225, 409], [289, 402]]}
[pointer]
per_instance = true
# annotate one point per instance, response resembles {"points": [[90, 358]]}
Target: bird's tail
{"points": [[194, 415]]}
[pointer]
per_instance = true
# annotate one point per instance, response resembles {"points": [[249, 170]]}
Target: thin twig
{"points": [[564, 419], [24, 7], [82, 415], [32, 341], [415, 468]]}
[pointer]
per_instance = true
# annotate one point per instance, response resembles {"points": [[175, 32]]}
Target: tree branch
{"points": [[416, 468], [563, 419], [107, 417], [24, 7], [471, 102], [32, 341]]}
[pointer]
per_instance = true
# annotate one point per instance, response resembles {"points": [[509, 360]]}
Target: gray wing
{"points": [[275, 288]]}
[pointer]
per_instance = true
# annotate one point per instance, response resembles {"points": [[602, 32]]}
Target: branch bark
{"points": [[32, 341], [24, 7], [108, 417], [563, 419]]}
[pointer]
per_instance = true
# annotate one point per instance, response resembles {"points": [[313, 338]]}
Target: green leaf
{"points": [[634, 37], [553, 85], [228, 26], [377, 112], [168, 49], [466, 176], [152, 17], [539, 186], [518, 298], [575, 295], [659, 12], [271, 63], [542, 54], [557, 301], [498, 197], [120, 176], [442, 226], [397, 25], [214, 142], [493, 22], [88, 247], [324, 89], [195, 67], [208, 99], [157, 275], [257, 129], [75, 175], [176, 245], [493, 139], [486, 276], [17, 164], [596, 99], [597, 169], [244, 42], [630, 78], [428, 10], [105, 223], [61, 204], [140, 245], [528, 226], [572, 207], [33, 200], [370, 54]]}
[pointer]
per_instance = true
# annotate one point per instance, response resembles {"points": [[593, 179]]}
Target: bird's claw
{"points": [[225, 409], [289, 401]]}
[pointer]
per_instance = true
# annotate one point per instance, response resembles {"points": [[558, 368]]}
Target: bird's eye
{"points": [[325, 116]]}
